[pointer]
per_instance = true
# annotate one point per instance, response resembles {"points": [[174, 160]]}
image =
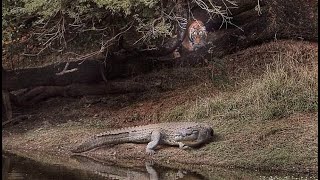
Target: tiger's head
{"points": [[196, 35]]}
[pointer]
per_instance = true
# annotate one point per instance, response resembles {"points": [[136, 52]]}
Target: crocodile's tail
{"points": [[98, 141]]}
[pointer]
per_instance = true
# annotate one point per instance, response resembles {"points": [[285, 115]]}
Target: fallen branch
{"points": [[38, 94], [65, 71], [16, 120]]}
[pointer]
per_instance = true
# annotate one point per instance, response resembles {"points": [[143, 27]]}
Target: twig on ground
{"points": [[65, 71], [258, 8]]}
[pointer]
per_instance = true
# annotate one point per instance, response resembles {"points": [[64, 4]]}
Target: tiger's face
{"points": [[196, 36]]}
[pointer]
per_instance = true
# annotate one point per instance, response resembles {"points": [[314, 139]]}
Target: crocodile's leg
{"points": [[155, 139], [175, 143], [183, 146]]}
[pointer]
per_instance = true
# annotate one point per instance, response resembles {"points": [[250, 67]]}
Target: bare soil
{"points": [[58, 124]]}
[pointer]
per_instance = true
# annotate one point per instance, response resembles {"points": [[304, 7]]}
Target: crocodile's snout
{"points": [[210, 130], [206, 135]]}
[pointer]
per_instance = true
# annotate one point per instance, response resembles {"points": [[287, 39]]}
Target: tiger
{"points": [[191, 38], [195, 35]]}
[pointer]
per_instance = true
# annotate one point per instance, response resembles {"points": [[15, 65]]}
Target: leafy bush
{"points": [[53, 24]]}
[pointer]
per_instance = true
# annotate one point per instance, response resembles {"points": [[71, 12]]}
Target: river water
{"points": [[16, 168]]}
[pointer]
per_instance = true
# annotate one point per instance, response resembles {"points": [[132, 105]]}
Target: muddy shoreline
{"points": [[59, 140]]}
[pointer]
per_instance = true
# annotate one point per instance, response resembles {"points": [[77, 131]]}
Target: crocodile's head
{"points": [[194, 136]]}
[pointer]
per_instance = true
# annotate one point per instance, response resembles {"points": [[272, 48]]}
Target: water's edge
{"points": [[85, 167]]}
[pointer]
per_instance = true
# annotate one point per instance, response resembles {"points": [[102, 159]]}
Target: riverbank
{"points": [[261, 102]]}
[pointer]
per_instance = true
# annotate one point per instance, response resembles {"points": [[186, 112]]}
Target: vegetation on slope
{"points": [[267, 121], [284, 88]]}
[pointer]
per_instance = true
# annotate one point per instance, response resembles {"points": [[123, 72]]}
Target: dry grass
{"points": [[288, 85], [267, 121]]}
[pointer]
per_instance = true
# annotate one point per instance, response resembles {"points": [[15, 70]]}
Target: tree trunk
{"points": [[75, 90], [6, 106], [77, 72]]}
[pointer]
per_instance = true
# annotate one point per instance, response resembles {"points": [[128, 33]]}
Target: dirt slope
{"points": [[287, 143]]}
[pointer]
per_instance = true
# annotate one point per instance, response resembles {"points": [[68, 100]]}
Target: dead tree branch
{"points": [[65, 70], [104, 45]]}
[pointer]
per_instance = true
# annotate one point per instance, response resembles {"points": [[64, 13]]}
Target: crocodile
{"points": [[182, 134]]}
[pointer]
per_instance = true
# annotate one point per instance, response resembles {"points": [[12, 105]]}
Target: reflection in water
{"points": [[149, 172], [15, 168]]}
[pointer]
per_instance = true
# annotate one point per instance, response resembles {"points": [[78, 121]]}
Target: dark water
{"points": [[15, 167]]}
